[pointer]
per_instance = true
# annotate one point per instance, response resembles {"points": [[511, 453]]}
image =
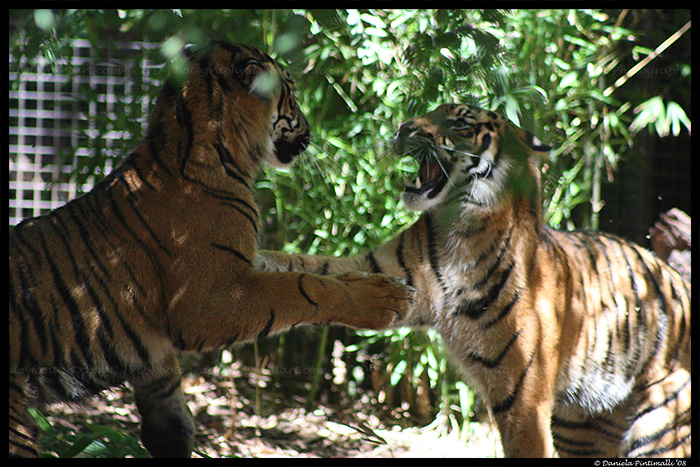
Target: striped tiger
{"points": [[578, 341], [157, 258]]}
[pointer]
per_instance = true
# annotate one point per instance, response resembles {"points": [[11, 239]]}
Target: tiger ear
{"points": [[190, 49], [538, 152], [259, 80], [250, 70]]}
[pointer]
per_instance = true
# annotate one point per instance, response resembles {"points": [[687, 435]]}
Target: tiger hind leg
{"points": [[22, 428], [167, 426], [577, 433], [661, 424]]}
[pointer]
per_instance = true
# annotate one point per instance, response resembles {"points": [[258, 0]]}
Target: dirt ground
{"points": [[231, 424]]}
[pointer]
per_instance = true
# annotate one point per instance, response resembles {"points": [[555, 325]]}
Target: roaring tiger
{"points": [[578, 341], [157, 258]]}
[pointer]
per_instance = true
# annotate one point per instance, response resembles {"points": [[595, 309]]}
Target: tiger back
{"points": [[578, 341], [157, 257]]}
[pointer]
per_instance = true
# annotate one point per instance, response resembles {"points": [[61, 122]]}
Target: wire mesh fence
{"points": [[67, 120]]}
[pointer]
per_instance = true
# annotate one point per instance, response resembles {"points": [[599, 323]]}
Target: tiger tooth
{"points": [[418, 183]]}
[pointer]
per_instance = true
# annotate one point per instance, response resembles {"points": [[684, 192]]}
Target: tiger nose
{"points": [[406, 131]]}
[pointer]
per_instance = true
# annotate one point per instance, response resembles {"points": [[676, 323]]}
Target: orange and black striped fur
{"points": [[158, 257], [578, 341]]}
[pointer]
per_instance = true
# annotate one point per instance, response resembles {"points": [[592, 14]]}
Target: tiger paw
{"points": [[376, 301], [272, 261]]}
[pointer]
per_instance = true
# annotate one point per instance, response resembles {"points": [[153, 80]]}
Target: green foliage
{"points": [[660, 117], [93, 441], [579, 59]]}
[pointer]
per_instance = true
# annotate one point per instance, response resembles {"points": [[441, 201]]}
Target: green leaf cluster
{"points": [[94, 441]]}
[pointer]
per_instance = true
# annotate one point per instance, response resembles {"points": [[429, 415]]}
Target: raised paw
{"points": [[377, 301]]}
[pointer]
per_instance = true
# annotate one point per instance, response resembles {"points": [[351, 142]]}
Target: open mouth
{"points": [[286, 151], [431, 179]]}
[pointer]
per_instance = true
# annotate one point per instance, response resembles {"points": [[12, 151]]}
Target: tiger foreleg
{"points": [[521, 400], [525, 431], [167, 426], [22, 429], [277, 261], [263, 304]]}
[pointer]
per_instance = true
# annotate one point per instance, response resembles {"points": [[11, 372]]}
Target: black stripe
{"points": [[510, 399], [300, 286], [233, 199], [675, 351], [57, 340], [97, 303], [111, 355], [137, 212], [28, 449], [491, 363], [88, 242], [253, 210], [30, 306], [432, 252], [221, 79], [325, 268], [110, 235], [233, 251], [480, 284], [153, 146], [139, 347], [69, 301], [159, 387], [492, 246], [18, 230], [654, 437], [485, 144], [199, 344], [670, 398], [580, 448], [201, 65], [119, 216], [114, 312], [642, 329], [178, 340], [594, 245], [252, 220], [231, 341], [401, 261], [184, 120], [662, 449], [24, 352], [611, 430], [504, 312], [229, 164], [374, 266], [268, 327], [129, 165], [474, 309]]}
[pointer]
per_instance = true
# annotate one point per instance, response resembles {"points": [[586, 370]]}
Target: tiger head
{"points": [[468, 156], [239, 95]]}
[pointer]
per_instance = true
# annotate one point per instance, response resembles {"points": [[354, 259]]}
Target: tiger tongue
{"points": [[430, 171]]}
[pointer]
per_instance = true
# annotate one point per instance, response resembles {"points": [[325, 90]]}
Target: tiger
{"points": [[578, 341], [158, 257]]}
